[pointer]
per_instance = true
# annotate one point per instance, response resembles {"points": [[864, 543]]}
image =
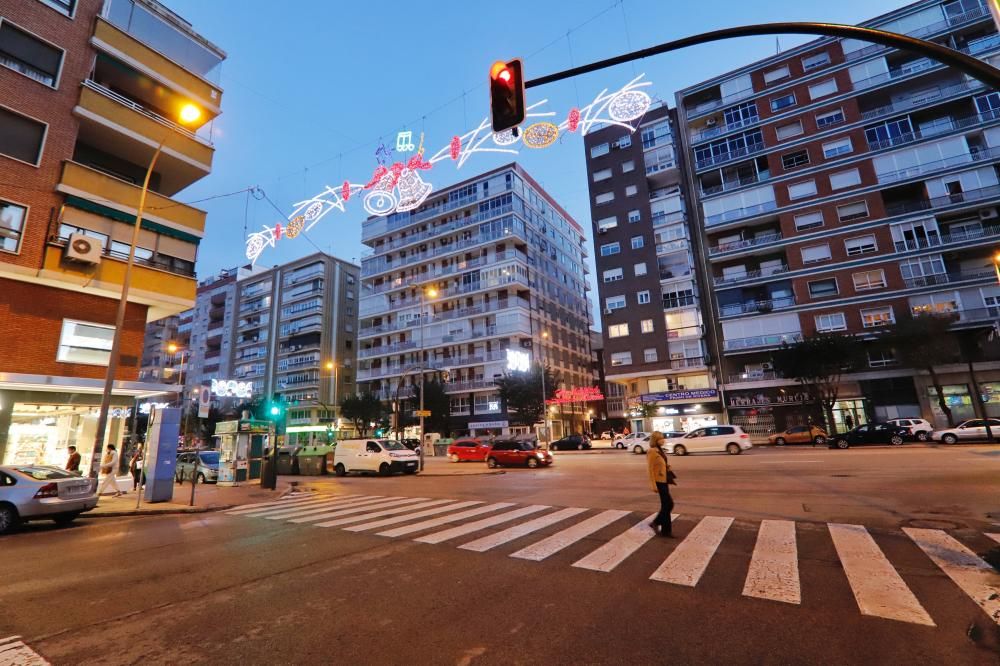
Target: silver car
{"points": [[40, 492], [206, 468], [974, 429]]}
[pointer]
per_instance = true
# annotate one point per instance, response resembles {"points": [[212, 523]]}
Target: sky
{"points": [[313, 87]]}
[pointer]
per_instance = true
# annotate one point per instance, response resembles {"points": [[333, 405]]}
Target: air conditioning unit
{"points": [[608, 311], [767, 365], [675, 356], [602, 231], [988, 214], [83, 249]]}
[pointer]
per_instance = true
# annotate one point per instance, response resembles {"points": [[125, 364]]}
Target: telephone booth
{"points": [[241, 447]]}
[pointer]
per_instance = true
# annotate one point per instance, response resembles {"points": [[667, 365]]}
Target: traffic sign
{"points": [[422, 412]]}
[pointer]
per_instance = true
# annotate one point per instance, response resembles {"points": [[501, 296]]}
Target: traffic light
{"points": [[506, 95], [275, 407]]}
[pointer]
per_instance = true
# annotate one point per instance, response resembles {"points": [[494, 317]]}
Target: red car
{"points": [[513, 452], [468, 448]]}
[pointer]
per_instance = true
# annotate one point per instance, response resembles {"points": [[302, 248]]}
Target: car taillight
{"points": [[744, 436], [48, 490]]}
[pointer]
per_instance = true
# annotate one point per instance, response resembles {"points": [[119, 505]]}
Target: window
{"points": [[640, 269], [120, 250], [21, 137], [806, 188], [796, 159], [782, 102], [634, 216], [649, 355], [808, 220], [815, 60], [875, 317], [852, 211], [66, 7], [11, 225], [603, 174], [788, 130], [827, 287], [822, 89], [624, 141], [646, 325], [628, 166], [609, 249], [631, 190], [833, 321], [776, 74], [867, 280], [879, 358], [860, 245], [604, 198], [842, 179], [613, 275], [621, 358], [602, 149], [637, 242], [838, 147], [614, 302], [829, 118], [889, 133], [814, 253], [618, 331], [28, 55], [643, 297], [741, 115], [678, 298], [606, 223], [85, 342]]}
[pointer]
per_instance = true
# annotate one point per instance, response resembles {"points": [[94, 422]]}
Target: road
{"points": [[794, 555]]}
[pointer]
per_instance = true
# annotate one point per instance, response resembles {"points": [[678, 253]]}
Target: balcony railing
{"points": [[449, 315], [977, 155], [908, 103], [764, 305], [473, 385], [740, 213], [448, 270], [692, 362], [752, 149], [773, 340], [713, 132], [735, 184], [661, 219], [750, 275], [386, 349], [368, 229], [440, 230], [138, 108], [754, 376], [950, 126], [968, 196], [743, 244], [948, 278]]}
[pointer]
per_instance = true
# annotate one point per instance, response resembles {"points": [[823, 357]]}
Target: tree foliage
{"points": [[522, 393], [361, 410]]}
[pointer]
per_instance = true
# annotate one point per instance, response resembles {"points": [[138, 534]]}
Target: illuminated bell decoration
{"points": [[540, 135], [412, 190], [573, 119], [381, 200], [504, 138], [629, 105]]}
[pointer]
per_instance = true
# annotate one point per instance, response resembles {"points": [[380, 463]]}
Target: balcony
{"points": [[740, 213], [935, 96], [766, 239], [447, 315], [687, 363], [663, 219], [976, 155], [749, 275], [725, 128], [448, 270], [714, 160], [755, 375], [472, 385], [382, 350], [947, 200], [759, 341], [735, 184], [753, 307], [951, 126], [382, 225], [949, 278]]}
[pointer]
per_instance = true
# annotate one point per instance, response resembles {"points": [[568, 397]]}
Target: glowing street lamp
{"points": [[996, 265]]}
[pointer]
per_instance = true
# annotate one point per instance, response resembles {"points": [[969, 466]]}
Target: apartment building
{"points": [[649, 289], [90, 89], [158, 363], [839, 186], [489, 265], [295, 335]]}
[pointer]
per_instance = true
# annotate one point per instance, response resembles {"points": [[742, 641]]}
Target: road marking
{"points": [[995, 537], [469, 528], [300, 497], [553, 544], [689, 560], [878, 589], [13, 652], [436, 522], [518, 531], [399, 508], [420, 514], [976, 578], [774, 566], [371, 505], [790, 461], [260, 511], [318, 508], [614, 552], [267, 506]]}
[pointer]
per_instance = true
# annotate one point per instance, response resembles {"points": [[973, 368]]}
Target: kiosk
{"points": [[241, 447]]}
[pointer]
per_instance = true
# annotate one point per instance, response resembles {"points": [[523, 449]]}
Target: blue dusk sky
{"points": [[313, 86]]}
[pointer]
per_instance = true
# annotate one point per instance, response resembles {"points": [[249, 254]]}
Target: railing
{"points": [[740, 213], [443, 229], [734, 184], [977, 155], [448, 270], [386, 349], [692, 362], [156, 260], [731, 155], [951, 126], [948, 278], [460, 313], [660, 167], [661, 219], [968, 196], [908, 103], [713, 132], [743, 244], [454, 387], [138, 108], [764, 305], [675, 274], [774, 340], [296, 278], [754, 376], [750, 275], [391, 225], [292, 349]]}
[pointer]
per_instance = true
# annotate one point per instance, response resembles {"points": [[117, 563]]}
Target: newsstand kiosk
{"points": [[241, 449]]}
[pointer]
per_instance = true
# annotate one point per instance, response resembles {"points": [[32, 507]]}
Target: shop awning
{"points": [[23, 382]]}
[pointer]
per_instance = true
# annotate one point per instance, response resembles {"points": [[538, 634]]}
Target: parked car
{"points": [[870, 433], [974, 429], [468, 448], [607, 434], [722, 438], [384, 456], [514, 452], [626, 441], [641, 445], [570, 443], [798, 435], [919, 429], [40, 492], [203, 464]]}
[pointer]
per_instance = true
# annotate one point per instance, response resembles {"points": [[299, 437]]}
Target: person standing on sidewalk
{"points": [[109, 467], [135, 467], [659, 478], [73, 463]]}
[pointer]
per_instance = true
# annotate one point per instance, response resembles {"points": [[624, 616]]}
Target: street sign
{"points": [[204, 402], [422, 412]]}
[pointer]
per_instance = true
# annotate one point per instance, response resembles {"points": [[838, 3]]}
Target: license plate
{"points": [[78, 489], [411, 464]]}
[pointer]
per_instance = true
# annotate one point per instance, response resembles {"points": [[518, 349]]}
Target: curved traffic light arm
{"points": [[972, 66]]}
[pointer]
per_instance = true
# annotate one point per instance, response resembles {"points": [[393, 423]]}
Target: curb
{"points": [[157, 512], [492, 472]]}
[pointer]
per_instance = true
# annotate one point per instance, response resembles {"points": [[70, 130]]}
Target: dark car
{"points": [[870, 433], [514, 452], [571, 443]]}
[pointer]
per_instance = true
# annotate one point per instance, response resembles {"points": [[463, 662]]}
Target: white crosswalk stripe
{"points": [[690, 558], [877, 588], [469, 528], [995, 537], [774, 567], [260, 511], [616, 551], [553, 544], [385, 522], [13, 652], [518, 531], [263, 506], [444, 520], [402, 507], [976, 578], [361, 507], [328, 505], [292, 498]]}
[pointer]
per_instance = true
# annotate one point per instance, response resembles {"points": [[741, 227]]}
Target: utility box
{"points": [[161, 454], [241, 449]]}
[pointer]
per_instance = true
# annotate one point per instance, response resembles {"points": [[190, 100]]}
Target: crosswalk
{"points": [[13, 652], [772, 574]]}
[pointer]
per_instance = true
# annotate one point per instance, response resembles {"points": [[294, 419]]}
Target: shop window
{"points": [[85, 342]]}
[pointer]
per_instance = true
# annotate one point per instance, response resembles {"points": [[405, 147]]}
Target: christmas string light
{"points": [[540, 135]]}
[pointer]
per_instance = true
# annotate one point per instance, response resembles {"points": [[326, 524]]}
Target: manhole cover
{"points": [[933, 524]]}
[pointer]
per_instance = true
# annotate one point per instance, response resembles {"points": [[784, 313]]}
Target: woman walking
{"points": [[135, 467], [109, 467], [659, 477]]}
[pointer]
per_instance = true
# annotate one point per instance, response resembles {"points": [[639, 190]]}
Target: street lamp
{"points": [[425, 293], [545, 412], [996, 265], [188, 115]]}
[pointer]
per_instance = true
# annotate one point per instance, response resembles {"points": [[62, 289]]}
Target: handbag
{"points": [[671, 477]]}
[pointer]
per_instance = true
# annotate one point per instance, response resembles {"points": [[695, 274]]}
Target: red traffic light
{"points": [[506, 95]]}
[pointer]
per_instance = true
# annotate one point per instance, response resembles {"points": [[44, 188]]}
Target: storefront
{"points": [[677, 411], [958, 398], [769, 410]]}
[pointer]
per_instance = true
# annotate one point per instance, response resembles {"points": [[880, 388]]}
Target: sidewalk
{"points": [[208, 497]]}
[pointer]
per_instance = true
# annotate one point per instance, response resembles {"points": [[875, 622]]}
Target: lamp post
{"points": [[331, 366], [425, 293], [996, 265], [189, 114], [173, 348], [545, 411]]}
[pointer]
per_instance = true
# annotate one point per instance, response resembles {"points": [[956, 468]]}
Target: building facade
{"points": [[91, 88], [840, 186], [490, 265]]}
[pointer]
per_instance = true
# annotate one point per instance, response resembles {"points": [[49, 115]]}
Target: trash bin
{"points": [[287, 461], [440, 449], [312, 465]]}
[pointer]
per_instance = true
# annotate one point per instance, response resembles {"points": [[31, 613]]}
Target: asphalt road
{"points": [[243, 588]]}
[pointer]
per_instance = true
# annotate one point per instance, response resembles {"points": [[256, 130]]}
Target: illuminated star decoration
{"points": [[399, 187]]}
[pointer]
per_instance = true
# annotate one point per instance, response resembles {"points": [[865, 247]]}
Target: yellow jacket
{"points": [[656, 465]]}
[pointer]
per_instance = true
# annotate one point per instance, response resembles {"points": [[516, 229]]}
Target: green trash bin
{"points": [[287, 461]]}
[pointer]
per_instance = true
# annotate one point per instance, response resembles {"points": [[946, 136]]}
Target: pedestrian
{"points": [[849, 421], [109, 467], [73, 464], [135, 467], [660, 477]]}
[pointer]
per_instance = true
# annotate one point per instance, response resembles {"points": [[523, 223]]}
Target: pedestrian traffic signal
{"points": [[506, 95], [275, 407]]}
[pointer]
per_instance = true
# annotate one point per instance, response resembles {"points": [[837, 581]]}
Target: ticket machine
{"points": [[241, 447]]}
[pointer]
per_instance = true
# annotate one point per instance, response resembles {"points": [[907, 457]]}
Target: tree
{"points": [[361, 410], [922, 342], [522, 393], [817, 363], [439, 405]]}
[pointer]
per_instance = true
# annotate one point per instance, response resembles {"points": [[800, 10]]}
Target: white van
{"points": [[384, 456]]}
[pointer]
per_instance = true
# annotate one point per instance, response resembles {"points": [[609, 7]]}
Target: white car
{"points": [[919, 429], [626, 441], [384, 456], [641, 445], [972, 429], [721, 438]]}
